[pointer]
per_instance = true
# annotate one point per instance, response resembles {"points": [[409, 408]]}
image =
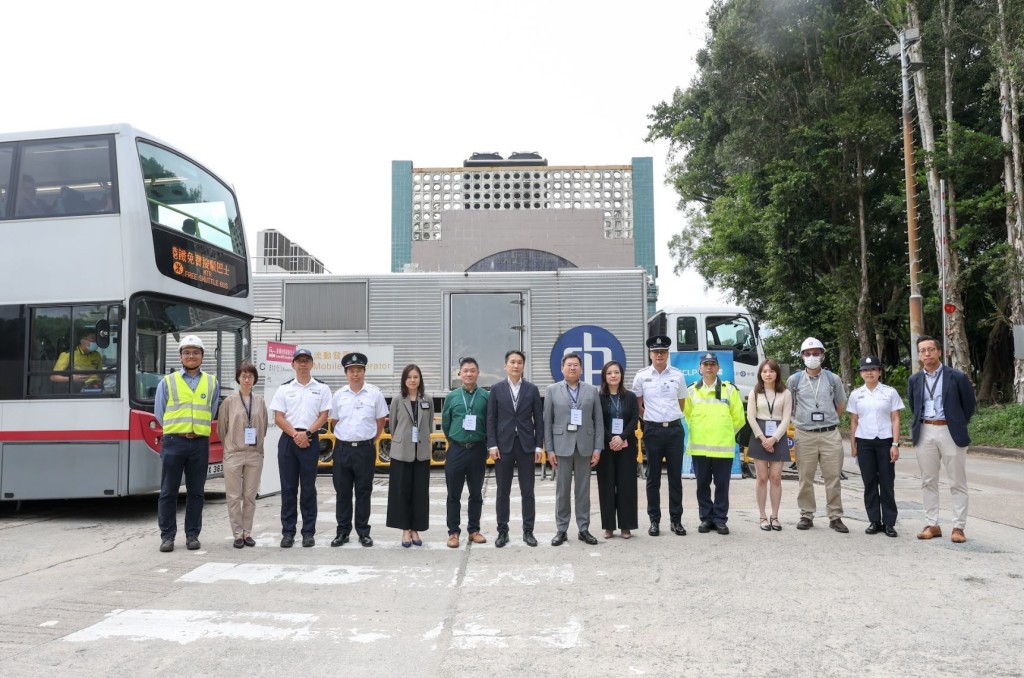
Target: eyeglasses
{"points": [[191, 354]]}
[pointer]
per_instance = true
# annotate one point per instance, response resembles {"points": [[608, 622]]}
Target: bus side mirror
{"points": [[102, 333]]}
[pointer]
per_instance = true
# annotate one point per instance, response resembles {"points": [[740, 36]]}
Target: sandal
{"points": [[626, 534], [776, 525], [608, 534], [765, 525]]}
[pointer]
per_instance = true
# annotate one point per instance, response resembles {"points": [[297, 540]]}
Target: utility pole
{"points": [[908, 36]]}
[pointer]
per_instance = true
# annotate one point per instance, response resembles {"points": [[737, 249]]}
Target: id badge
{"points": [[415, 434], [929, 409], [571, 427], [616, 427], [817, 416], [250, 436], [770, 427], [469, 423], [576, 417]]}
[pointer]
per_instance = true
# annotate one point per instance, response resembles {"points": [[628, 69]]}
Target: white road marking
{"points": [[484, 576], [188, 626], [268, 573], [52, 622]]}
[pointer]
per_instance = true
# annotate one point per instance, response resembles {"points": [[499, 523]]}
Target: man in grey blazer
{"points": [[515, 422], [573, 437]]}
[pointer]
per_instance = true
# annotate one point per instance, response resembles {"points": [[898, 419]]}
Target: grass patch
{"points": [[998, 426]]}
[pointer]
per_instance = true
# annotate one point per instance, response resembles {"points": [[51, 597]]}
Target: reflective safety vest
{"points": [[189, 411], [713, 416]]}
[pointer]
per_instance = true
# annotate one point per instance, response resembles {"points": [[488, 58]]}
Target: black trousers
{"points": [[464, 466], [189, 457], [616, 488], [664, 442], [297, 469], [879, 476], [353, 468], [522, 459], [719, 470], [409, 495]]}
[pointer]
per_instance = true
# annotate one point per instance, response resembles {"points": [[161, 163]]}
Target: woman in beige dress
{"points": [[242, 427]]}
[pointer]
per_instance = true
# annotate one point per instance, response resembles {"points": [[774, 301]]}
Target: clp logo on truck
{"points": [[595, 344]]}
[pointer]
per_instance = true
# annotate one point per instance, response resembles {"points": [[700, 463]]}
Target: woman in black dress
{"points": [[616, 471], [412, 419]]}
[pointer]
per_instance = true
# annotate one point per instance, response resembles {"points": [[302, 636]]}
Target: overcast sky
{"points": [[303, 107]]}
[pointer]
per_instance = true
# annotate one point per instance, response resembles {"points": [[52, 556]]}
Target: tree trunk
{"points": [[955, 340], [863, 319], [845, 370], [991, 375], [1010, 129]]}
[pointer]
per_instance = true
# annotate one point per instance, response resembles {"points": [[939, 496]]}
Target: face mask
{"points": [[92, 347], [812, 362]]}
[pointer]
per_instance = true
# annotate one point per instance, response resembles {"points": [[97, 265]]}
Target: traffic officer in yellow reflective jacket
{"points": [[185, 405], [714, 412]]}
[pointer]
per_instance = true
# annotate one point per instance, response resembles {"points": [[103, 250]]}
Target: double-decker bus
{"points": [[116, 246]]}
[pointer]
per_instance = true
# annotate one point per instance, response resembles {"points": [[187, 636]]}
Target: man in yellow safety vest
{"points": [[185, 405]]}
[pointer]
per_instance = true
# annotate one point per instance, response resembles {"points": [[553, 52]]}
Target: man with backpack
{"points": [[818, 402]]}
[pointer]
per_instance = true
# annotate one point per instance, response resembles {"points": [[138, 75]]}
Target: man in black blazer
{"points": [[942, 402], [515, 433]]}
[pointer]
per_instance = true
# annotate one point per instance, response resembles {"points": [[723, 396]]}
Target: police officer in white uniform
{"points": [[300, 408], [661, 391], [358, 410]]}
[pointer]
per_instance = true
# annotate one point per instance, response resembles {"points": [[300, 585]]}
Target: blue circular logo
{"points": [[595, 345]]}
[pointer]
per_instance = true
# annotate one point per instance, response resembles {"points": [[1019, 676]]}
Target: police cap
{"points": [[354, 360], [659, 343]]}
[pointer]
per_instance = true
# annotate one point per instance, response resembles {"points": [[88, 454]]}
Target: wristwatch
{"points": [[895, 443]]}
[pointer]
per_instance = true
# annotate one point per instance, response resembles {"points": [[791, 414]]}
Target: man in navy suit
{"points": [[515, 433], [941, 404]]}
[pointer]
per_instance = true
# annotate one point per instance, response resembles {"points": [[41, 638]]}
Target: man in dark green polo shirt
{"points": [[463, 421]]}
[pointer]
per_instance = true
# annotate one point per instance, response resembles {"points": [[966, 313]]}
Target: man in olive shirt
{"points": [[463, 421]]}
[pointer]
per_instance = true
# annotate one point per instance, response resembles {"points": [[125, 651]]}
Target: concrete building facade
{"points": [[499, 218]]}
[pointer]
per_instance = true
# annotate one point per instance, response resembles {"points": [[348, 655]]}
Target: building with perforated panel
{"points": [[522, 214]]}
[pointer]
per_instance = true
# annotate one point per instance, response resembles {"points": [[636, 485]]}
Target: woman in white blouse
{"points": [[875, 443], [769, 409]]}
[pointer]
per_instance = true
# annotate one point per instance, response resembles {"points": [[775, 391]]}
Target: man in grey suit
{"points": [[573, 436], [515, 420]]}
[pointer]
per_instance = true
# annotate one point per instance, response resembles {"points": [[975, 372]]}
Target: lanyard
{"points": [[771, 405], [471, 399], [248, 410], [414, 409], [514, 390], [616, 400], [817, 385], [574, 396], [934, 383]]}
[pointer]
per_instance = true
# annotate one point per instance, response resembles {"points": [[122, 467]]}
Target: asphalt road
{"points": [[85, 592]]}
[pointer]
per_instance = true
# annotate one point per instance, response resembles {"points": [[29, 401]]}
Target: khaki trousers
{"points": [[823, 449], [242, 470], [935, 446]]}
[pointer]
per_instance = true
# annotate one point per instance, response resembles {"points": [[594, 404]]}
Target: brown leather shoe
{"points": [[930, 532], [838, 525], [958, 536], [453, 540], [477, 538]]}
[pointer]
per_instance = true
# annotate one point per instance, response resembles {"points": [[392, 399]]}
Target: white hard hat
{"points": [[811, 342], [193, 341]]}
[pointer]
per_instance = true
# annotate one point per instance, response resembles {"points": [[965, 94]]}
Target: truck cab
{"points": [[714, 328]]}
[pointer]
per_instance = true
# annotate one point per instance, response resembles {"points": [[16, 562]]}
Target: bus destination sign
{"points": [[199, 264]]}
